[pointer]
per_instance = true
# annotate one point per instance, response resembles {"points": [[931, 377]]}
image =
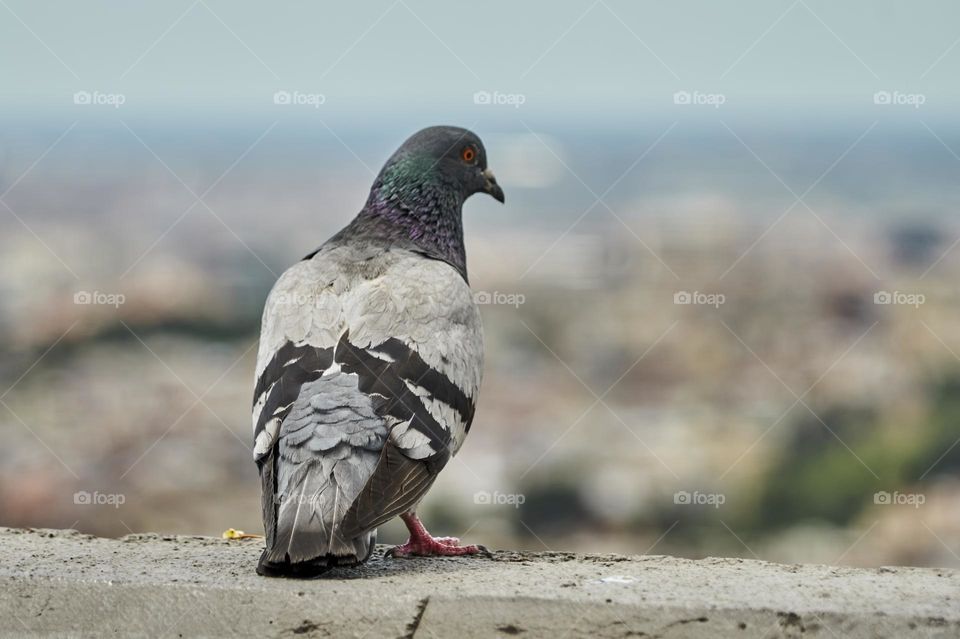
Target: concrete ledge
{"points": [[68, 584]]}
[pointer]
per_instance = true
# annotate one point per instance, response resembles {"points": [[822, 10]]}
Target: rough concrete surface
{"points": [[64, 583]]}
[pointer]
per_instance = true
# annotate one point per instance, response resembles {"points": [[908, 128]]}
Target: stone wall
{"points": [[69, 584]]}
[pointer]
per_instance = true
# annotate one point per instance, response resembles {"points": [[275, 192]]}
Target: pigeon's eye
{"points": [[468, 154]]}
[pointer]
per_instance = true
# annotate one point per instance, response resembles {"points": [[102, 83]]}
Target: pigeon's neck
{"points": [[412, 206]]}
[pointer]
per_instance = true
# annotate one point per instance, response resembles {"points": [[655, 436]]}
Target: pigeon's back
{"points": [[368, 371]]}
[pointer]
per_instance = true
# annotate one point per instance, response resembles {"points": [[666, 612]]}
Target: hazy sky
{"points": [[574, 57]]}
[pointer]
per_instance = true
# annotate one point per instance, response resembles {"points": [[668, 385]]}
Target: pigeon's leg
{"points": [[423, 544]]}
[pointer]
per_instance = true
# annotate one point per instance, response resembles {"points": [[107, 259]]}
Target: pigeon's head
{"points": [[442, 158], [418, 196]]}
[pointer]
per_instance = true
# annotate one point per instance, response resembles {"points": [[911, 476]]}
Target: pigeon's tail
{"points": [[305, 539]]}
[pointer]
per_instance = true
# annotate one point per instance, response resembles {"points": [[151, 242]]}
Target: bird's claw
{"points": [[435, 547], [422, 544]]}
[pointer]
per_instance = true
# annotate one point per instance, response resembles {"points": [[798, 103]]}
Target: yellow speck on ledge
{"points": [[232, 533]]}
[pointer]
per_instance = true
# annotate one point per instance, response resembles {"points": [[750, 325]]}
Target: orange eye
{"points": [[468, 154]]}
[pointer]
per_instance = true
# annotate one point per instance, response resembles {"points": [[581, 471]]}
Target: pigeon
{"points": [[369, 366]]}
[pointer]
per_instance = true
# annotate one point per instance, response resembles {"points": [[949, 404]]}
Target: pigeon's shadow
{"points": [[380, 567]]}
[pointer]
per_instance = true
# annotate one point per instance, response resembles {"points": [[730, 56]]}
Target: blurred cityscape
{"points": [[735, 339]]}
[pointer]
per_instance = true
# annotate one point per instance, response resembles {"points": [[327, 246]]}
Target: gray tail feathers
{"points": [[305, 500]]}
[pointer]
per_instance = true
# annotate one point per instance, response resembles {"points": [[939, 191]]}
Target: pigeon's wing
{"points": [[302, 321], [422, 351], [397, 485], [406, 326], [405, 331]]}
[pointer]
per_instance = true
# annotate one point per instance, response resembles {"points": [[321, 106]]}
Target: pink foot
{"points": [[422, 544]]}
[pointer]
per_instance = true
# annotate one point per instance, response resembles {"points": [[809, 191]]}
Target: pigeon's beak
{"points": [[491, 187]]}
